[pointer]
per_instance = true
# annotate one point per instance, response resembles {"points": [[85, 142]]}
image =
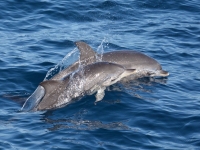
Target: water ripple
{"points": [[143, 114]]}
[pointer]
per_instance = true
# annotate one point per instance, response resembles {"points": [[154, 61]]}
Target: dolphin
{"points": [[86, 80], [129, 59], [144, 66]]}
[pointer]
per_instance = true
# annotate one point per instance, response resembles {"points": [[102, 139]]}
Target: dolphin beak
{"points": [[159, 73], [163, 73], [34, 99]]}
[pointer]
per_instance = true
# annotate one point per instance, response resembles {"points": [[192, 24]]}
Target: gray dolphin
{"points": [[145, 65], [86, 80]]}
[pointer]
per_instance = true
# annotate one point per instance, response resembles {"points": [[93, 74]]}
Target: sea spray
{"points": [[66, 61], [100, 49]]}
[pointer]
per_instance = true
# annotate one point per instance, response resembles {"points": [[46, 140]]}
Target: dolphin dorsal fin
{"points": [[50, 85], [87, 54]]}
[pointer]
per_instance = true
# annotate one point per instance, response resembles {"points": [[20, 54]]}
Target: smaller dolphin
{"points": [[145, 65], [86, 80]]}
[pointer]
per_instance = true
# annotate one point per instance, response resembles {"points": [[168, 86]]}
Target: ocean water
{"points": [[146, 114]]}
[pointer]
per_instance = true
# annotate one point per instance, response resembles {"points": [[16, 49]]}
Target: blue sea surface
{"points": [[162, 113]]}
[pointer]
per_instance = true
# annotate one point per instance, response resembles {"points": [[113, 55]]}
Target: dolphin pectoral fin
{"points": [[100, 94], [87, 54], [50, 85]]}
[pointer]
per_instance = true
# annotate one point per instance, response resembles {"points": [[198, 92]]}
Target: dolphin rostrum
{"points": [[145, 65], [89, 79]]}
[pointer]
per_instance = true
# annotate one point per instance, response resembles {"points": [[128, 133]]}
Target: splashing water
{"points": [[100, 50], [72, 57], [66, 61]]}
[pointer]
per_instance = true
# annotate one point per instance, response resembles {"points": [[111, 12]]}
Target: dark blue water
{"points": [[147, 114]]}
